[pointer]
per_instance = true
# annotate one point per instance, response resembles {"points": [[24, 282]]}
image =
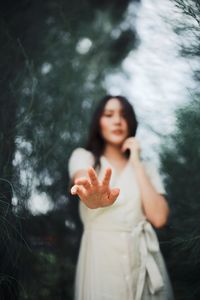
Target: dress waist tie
{"points": [[148, 245]]}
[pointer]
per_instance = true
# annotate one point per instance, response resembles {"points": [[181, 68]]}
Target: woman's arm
{"points": [[154, 205]]}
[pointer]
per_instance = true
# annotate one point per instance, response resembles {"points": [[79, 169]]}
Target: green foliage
{"points": [[62, 82], [189, 27], [54, 60], [190, 8], [181, 160]]}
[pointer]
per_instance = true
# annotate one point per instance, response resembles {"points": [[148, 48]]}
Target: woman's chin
{"points": [[117, 143]]}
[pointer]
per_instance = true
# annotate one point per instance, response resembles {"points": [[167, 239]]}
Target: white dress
{"points": [[119, 257]]}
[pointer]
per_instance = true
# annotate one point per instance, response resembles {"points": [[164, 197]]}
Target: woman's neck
{"points": [[113, 153]]}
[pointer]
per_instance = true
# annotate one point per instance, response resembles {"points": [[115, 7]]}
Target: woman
{"points": [[121, 197]]}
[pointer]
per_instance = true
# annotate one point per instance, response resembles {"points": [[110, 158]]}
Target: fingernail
{"points": [[73, 190], [117, 191]]}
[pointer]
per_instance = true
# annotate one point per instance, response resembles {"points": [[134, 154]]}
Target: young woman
{"points": [[121, 198]]}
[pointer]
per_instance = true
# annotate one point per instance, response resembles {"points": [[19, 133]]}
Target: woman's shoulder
{"points": [[81, 152], [80, 159]]}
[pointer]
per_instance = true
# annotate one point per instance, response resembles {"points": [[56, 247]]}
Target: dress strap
{"points": [[148, 244]]}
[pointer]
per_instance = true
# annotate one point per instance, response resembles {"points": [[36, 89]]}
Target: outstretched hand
{"points": [[94, 193]]}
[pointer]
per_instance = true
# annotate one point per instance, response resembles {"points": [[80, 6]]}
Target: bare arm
{"points": [[154, 205]]}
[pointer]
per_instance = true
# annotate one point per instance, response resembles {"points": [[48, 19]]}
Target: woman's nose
{"points": [[117, 119]]}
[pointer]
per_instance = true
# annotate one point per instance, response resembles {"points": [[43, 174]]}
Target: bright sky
{"points": [[157, 78]]}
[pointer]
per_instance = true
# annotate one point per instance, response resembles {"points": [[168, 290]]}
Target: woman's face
{"points": [[113, 125]]}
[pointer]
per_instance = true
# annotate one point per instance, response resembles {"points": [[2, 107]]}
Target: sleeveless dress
{"points": [[119, 257]]}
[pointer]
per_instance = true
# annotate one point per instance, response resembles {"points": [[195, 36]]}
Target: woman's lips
{"points": [[117, 132]]}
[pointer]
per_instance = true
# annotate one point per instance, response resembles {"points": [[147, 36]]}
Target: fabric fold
{"points": [[148, 245]]}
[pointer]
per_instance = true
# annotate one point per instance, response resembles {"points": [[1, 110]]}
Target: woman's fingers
{"points": [[92, 193], [74, 190], [84, 182], [107, 176], [113, 195], [93, 177], [78, 190], [124, 146], [129, 143]]}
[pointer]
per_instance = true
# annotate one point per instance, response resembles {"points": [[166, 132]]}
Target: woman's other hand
{"points": [[94, 193], [133, 145]]}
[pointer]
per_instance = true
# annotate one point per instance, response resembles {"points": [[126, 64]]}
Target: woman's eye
{"points": [[107, 115]]}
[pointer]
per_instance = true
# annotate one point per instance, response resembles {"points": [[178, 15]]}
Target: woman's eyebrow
{"points": [[121, 110], [108, 109]]}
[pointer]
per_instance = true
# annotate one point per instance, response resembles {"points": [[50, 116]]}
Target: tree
{"points": [[55, 58], [180, 162]]}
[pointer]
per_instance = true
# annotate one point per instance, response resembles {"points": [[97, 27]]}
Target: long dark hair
{"points": [[95, 142]]}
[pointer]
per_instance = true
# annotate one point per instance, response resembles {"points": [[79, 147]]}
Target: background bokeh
{"points": [[57, 59]]}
